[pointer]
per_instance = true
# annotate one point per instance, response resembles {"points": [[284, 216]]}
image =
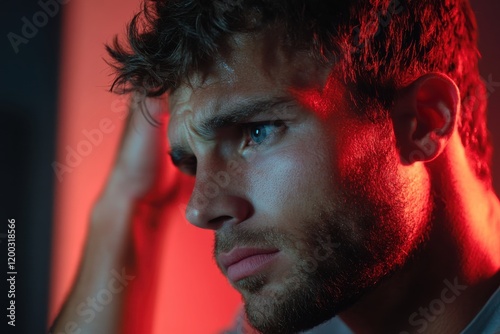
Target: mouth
{"points": [[243, 262]]}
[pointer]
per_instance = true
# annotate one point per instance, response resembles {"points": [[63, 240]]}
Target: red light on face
{"points": [[317, 99], [311, 100]]}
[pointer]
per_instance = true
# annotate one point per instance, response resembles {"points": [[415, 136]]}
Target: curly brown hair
{"points": [[379, 46]]}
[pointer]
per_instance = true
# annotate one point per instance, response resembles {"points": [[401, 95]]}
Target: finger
{"points": [[141, 159]]}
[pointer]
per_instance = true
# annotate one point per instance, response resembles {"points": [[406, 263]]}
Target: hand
{"points": [[127, 228], [141, 166], [132, 213]]}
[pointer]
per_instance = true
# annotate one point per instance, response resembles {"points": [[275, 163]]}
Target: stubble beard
{"points": [[316, 289], [387, 232], [313, 291]]}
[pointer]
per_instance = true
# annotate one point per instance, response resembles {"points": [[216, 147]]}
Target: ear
{"points": [[425, 116]]}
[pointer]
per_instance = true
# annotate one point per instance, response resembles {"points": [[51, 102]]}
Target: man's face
{"points": [[309, 202]]}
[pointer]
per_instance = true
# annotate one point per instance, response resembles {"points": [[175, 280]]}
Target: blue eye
{"points": [[259, 132]]}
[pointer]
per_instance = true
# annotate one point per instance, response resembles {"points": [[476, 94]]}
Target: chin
{"points": [[300, 302]]}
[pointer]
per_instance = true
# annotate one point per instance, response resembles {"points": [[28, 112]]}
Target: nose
{"points": [[216, 200]]}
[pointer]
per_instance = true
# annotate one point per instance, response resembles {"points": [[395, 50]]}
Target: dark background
{"points": [[28, 112], [28, 119]]}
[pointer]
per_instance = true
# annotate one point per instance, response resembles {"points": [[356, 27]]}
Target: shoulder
{"points": [[487, 321]]}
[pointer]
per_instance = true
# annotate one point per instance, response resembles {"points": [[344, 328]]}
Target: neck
{"points": [[449, 280]]}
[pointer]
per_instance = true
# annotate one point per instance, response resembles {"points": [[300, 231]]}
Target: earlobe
{"points": [[425, 116]]}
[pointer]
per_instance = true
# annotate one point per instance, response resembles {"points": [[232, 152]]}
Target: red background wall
{"points": [[193, 296]]}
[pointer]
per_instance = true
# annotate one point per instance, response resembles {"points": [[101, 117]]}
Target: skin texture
{"points": [[369, 220], [325, 187]]}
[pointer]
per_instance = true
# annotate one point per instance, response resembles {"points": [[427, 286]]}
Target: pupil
{"points": [[258, 134]]}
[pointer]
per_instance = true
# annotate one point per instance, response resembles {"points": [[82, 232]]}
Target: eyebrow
{"points": [[234, 114], [239, 113]]}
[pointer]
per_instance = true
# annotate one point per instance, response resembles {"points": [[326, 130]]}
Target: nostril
{"points": [[219, 220]]}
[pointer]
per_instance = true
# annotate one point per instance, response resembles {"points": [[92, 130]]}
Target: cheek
{"points": [[288, 186], [359, 156], [369, 177]]}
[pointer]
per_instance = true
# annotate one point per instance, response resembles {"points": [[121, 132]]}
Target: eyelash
{"points": [[278, 127], [189, 164]]}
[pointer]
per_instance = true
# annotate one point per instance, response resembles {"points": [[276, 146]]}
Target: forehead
{"points": [[258, 67]]}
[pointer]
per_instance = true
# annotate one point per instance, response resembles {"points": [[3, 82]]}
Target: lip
{"points": [[243, 262]]}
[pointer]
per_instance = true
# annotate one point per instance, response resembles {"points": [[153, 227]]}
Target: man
{"points": [[351, 157]]}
